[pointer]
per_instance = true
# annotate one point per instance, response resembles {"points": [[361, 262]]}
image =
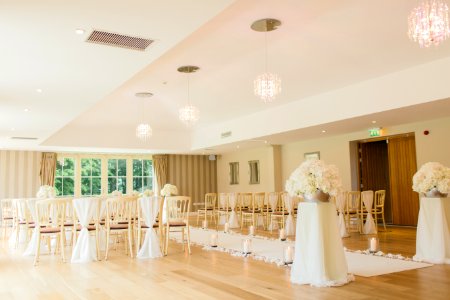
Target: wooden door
{"points": [[374, 171], [402, 167]]}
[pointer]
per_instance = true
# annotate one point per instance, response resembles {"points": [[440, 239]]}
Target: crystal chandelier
{"points": [[428, 23], [189, 114], [143, 130], [267, 85]]}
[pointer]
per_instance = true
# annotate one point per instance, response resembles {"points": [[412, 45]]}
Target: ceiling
{"points": [[88, 100]]}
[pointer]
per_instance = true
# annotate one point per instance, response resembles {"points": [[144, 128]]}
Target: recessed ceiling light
{"points": [[323, 131], [237, 146], [143, 94], [79, 31], [26, 110], [39, 91], [373, 122], [12, 129]]}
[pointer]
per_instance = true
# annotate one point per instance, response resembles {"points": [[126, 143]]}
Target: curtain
{"points": [[160, 167], [48, 168]]}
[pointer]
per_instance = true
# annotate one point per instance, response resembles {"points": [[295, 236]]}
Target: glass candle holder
{"points": [[374, 244], [226, 227], [288, 255], [205, 224], [214, 238], [251, 230], [246, 246], [282, 234]]}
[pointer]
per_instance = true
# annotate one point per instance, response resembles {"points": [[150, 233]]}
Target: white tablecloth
{"points": [[233, 220], [433, 233], [340, 205], [369, 226], [319, 258], [150, 247], [85, 249]]}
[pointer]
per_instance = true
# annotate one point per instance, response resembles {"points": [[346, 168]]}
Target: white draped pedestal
{"points": [[319, 255], [433, 233], [85, 249], [233, 220], [150, 247]]}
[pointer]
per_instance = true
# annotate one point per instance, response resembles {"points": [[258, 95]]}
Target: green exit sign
{"points": [[374, 132]]}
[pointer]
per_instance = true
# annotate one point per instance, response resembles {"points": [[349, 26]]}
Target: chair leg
{"points": [[188, 239], [198, 216], [166, 247], [38, 249], [138, 244], [384, 223], [182, 239], [130, 241], [97, 248], [62, 238], [107, 245]]}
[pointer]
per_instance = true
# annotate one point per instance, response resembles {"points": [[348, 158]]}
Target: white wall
{"points": [[333, 150]]}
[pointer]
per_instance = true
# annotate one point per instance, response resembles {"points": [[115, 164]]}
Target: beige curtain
{"points": [[160, 167], [48, 168]]}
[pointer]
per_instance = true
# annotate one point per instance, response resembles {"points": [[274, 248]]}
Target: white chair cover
{"points": [[85, 248], [150, 247], [289, 205], [369, 225], [233, 220], [340, 204], [33, 243], [319, 258], [222, 203]]}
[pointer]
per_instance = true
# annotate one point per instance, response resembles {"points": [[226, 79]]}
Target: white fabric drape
{"points": [[222, 204], [273, 198], [20, 206], [85, 248], [319, 255], [233, 220], [150, 247], [33, 243], [289, 225], [369, 225], [433, 231], [340, 204]]}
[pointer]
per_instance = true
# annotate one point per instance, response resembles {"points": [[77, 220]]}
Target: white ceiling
{"points": [[88, 101]]}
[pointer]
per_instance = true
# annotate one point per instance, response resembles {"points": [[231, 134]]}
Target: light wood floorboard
{"points": [[209, 275]]}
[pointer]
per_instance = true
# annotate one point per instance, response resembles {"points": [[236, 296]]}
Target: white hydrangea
{"points": [[313, 175], [432, 175], [169, 190], [46, 191]]}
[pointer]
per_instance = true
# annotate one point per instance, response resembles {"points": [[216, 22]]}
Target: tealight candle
{"points": [[251, 230], [205, 224], [226, 227], [282, 234], [214, 240], [288, 254]]}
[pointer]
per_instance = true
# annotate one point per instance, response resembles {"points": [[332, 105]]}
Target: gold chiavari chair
{"points": [[209, 209], [177, 219], [352, 207], [252, 214], [280, 214], [363, 209], [378, 208], [7, 214], [244, 203], [141, 227], [223, 208]]}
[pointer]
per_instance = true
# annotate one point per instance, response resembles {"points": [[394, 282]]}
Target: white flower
{"points": [[116, 193], [169, 190], [432, 175], [313, 175], [47, 191], [146, 193]]}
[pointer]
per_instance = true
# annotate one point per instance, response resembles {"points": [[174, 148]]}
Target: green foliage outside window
{"points": [[65, 177], [91, 181], [117, 175], [142, 174]]}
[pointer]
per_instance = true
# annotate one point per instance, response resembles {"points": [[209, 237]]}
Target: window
{"points": [[65, 177], [117, 175], [234, 173], [254, 171], [142, 174], [91, 180]]}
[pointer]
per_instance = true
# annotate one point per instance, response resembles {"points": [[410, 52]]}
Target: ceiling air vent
{"points": [[23, 138], [225, 134], [119, 40]]}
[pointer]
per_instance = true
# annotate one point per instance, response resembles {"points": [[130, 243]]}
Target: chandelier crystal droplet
{"points": [[267, 86], [189, 114], [143, 131], [428, 23]]}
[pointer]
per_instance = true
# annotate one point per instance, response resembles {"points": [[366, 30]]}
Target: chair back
{"points": [[223, 201], [380, 196], [177, 208], [87, 208], [210, 200], [7, 208], [246, 200], [273, 199], [50, 212], [258, 201], [120, 210], [353, 201]]}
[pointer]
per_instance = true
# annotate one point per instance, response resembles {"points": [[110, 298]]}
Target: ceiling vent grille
{"points": [[225, 134], [23, 138], [119, 40]]}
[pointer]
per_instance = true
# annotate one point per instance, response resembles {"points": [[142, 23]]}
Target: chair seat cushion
{"points": [[50, 230], [177, 223], [89, 228], [280, 213], [156, 225], [248, 211], [118, 226]]}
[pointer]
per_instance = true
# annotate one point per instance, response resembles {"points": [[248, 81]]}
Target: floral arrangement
{"points": [[432, 175], [169, 190], [116, 193], [47, 191], [314, 175], [146, 193]]}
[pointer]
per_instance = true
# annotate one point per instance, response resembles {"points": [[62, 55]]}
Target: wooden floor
{"points": [[209, 275]]}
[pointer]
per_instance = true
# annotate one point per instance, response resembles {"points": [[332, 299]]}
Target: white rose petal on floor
{"points": [[270, 250]]}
